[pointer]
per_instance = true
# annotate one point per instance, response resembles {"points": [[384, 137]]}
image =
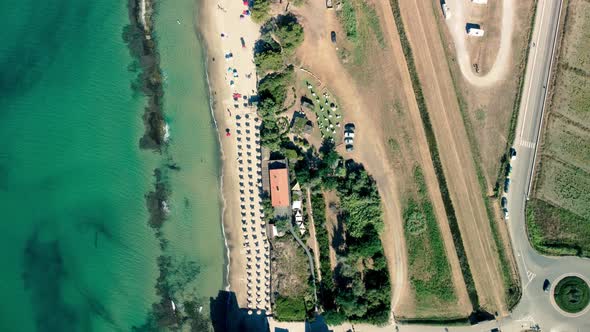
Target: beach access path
{"points": [[226, 30]]}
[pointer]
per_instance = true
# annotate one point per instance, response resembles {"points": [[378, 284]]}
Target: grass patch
{"points": [[430, 271], [572, 294], [564, 185], [349, 21], [290, 309], [361, 25], [372, 19], [450, 210], [556, 231]]}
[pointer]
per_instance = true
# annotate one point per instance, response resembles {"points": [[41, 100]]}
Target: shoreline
{"points": [[227, 257]]}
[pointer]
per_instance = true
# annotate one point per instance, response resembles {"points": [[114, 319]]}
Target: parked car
{"points": [[504, 202], [506, 215], [349, 147], [506, 185], [512, 153], [243, 42], [333, 36], [508, 170], [349, 127], [546, 286]]}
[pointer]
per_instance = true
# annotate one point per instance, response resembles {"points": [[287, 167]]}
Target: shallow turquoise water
{"points": [[78, 254]]}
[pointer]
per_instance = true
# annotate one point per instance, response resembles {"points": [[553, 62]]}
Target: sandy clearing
{"points": [[455, 153], [319, 56], [456, 25]]}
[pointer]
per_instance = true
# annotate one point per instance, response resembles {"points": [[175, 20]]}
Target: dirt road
{"points": [[455, 153], [456, 24]]}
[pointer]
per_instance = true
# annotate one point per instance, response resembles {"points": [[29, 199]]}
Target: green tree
{"points": [[289, 32], [260, 11], [268, 61]]}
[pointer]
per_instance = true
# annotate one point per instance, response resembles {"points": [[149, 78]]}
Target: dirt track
{"points": [[424, 153], [455, 153]]}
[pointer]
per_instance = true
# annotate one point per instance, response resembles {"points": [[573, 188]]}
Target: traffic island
{"points": [[571, 295]]}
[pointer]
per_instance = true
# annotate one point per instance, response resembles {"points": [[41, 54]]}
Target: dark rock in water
{"points": [[144, 48], [174, 167], [155, 201]]}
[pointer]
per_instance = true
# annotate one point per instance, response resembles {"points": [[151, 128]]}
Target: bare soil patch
{"points": [[290, 270]]}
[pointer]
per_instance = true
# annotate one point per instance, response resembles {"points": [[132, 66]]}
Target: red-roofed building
{"points": [[279, 187]]}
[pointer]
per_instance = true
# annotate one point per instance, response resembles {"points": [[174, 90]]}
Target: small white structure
{"points": [[480, 2], [475, 32], [446, 11]]}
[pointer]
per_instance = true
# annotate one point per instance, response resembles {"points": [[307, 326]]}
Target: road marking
{"points": [[527, 144], [529, 274]]}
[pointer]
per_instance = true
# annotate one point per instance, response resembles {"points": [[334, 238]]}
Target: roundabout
{"points": [[570, 295]]}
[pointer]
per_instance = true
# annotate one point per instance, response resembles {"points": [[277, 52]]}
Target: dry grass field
{"points": [[559, 213]]}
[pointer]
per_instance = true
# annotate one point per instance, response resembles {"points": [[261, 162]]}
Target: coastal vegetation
{"points": [[358, 289], [291, 280], [558, 214]]}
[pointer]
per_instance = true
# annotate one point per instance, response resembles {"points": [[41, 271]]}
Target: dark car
{"points": [[506, 185], [508, 170], [333, 36], [546, 286], [349, 147], [504, 202], [512, 153]]}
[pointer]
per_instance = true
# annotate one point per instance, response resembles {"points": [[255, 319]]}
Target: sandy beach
{"points": [[232, 80]]}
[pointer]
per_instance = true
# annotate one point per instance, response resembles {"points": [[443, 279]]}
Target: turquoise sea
{"points": [[77, 251]]}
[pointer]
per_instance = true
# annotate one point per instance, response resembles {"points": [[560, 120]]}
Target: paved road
{"points": [[535, 268], [456, 24]]}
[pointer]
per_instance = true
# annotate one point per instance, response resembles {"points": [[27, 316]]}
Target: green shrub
{"points": [[348, 18], [288, 309]]}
